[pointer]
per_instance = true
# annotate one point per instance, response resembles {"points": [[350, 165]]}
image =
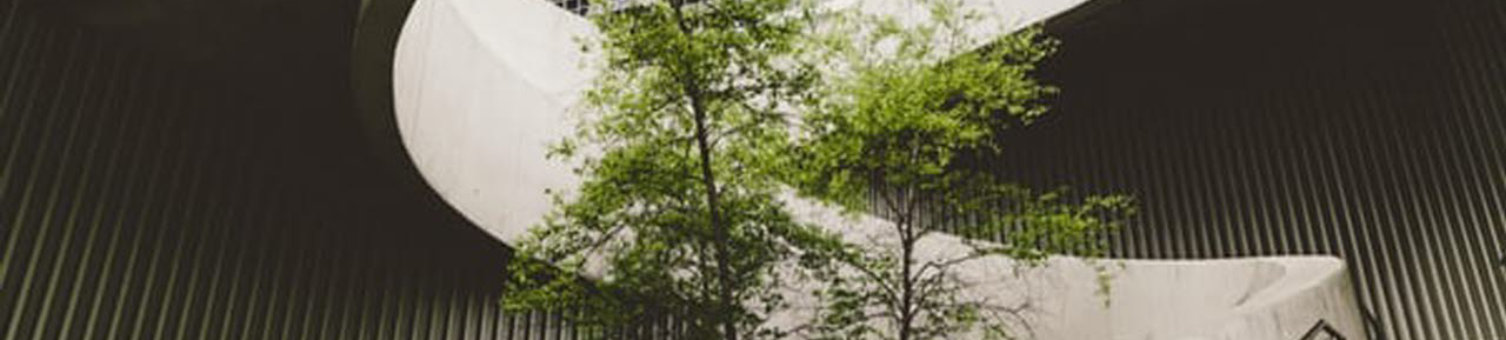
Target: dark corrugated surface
{"points": [[157, 193], [142, 198], [1371, 130]]}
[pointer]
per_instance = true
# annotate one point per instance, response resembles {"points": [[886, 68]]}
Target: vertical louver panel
{"points": [[1368, 130], [146, 197]]}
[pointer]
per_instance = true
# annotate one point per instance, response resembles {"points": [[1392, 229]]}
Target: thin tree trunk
{"points": [[719, 231], [907, 284]]}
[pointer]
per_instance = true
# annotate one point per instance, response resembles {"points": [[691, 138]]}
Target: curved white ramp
{"points": [[481, 87], [1252, 298]]}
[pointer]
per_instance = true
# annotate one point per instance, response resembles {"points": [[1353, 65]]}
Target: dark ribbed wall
{"points": [[215, 185], [1370, 130], [212, 184]]}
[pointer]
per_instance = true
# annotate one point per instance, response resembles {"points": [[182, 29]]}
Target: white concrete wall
{"points": [[509, 70], [1256, 298], [480, 90], [1229, 299], [481, 87]]}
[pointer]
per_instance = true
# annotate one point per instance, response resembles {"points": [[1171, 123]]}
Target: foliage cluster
{"points": [[704, 113], [917, 94], [684, 126]]}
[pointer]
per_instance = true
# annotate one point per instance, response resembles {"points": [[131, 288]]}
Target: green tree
{"points": [[679, 145], [910, 99]]}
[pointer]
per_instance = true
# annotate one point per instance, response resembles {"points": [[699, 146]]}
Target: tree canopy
{"points": [[703, 114], [911, 96], [680, 143]]}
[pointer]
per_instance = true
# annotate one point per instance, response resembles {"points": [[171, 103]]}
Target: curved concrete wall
{"points": [[482, 87], [1233, 299], [1258, 298]]}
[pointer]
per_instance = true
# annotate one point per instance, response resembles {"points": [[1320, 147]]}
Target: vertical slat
{"points": [[186, 228], [89, 264], [33, 193], [184, 179], [14, 162], [71, 202]]}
